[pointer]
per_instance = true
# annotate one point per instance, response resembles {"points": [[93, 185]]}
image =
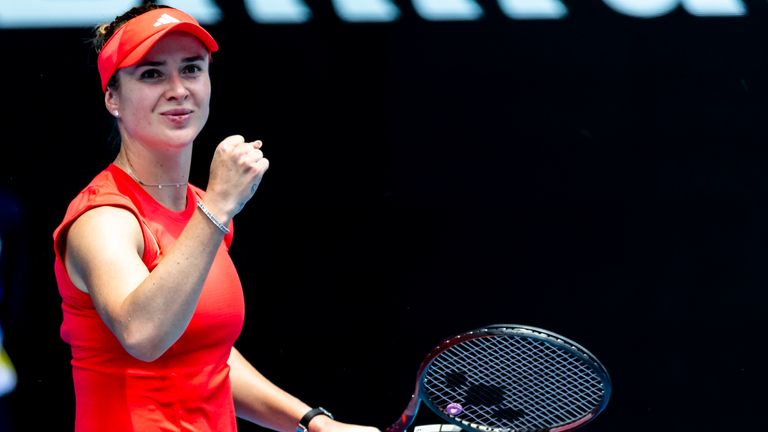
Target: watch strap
{"points": [[303, 425]]}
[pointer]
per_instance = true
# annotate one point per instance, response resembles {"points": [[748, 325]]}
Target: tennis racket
{"points": [[509, 378]]}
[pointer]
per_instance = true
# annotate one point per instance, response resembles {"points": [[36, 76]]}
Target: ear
{"points": [[111, 102]]}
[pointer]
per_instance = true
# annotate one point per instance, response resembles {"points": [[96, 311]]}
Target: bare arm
{"points": [[260, 401], [146, 311]]}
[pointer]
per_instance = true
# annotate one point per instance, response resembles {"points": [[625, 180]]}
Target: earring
{"points": [[116, 114]]}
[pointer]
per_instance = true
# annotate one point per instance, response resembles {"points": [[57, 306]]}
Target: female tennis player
{"points": [[152, 303]]}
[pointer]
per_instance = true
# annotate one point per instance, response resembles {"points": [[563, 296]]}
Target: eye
{"points": [[150, 74], [192, 69]]}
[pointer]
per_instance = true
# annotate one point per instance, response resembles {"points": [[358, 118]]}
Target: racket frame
{"points": [[549, 337]]}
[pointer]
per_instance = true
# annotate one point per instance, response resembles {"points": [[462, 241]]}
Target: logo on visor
{"points": [[165, 19]]}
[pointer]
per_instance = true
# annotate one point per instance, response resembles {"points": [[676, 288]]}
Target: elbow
{"points": [[143, 354], [143, 347]]}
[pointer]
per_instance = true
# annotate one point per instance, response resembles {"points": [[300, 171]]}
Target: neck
{"points": [[157, 185], [132, 172]]}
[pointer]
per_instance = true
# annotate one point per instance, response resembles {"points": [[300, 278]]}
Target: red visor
{"points": [[131, 42]]}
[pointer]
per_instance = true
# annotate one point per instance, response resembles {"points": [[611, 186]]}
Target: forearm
{"points": [[259, 400]]}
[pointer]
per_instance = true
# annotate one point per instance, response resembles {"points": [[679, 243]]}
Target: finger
{"points": [[232, 140], [255, 168], [257, 144], [262, 165], [251, 157]]}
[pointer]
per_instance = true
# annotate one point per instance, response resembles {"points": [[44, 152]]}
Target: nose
{"points": [[176, 88]]}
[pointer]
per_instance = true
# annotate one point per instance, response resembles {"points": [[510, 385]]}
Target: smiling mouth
{"points": [[178, 118], [177, 113]]}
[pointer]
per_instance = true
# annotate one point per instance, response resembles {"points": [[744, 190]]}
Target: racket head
{"points": [[513, 378]]}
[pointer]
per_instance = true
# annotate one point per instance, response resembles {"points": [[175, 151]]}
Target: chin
{"points": [[180, 138]]}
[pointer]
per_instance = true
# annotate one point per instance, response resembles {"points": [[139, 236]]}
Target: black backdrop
{"points": [[601, 176]]}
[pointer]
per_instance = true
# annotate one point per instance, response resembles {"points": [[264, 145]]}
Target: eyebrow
{"points": [[192, 59]]}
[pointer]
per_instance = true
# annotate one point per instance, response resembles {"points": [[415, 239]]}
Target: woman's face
{"points": [[163, 101]]}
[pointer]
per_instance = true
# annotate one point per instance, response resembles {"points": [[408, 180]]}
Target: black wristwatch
{"points": [[303, 425]]}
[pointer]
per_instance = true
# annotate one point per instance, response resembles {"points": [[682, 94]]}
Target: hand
{"points": [[326, 424], [236, 172]]}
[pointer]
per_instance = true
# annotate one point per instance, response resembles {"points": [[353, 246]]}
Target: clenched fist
{"points": [[236, 171]]}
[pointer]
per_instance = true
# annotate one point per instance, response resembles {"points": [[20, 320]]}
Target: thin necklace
{"points": [[157, 185]]}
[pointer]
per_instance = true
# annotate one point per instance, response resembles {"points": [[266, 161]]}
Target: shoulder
{"points": [[100, 238], [105, 223], [101, 198], [102, 228]]}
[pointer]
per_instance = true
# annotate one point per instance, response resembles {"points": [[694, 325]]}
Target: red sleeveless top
{"points": [[188, 387]]}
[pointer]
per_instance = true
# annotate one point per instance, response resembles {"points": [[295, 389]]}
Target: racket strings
{"points": [[513, 383], [556, 380], [569, 383]]}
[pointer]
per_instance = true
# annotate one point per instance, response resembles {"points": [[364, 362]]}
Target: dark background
{"points": [[601, 176]]}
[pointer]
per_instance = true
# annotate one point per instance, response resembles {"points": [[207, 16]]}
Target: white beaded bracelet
{"points": [[213, 219]]}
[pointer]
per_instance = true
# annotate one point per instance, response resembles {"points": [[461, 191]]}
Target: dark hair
{"points": [[103, 32]]}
